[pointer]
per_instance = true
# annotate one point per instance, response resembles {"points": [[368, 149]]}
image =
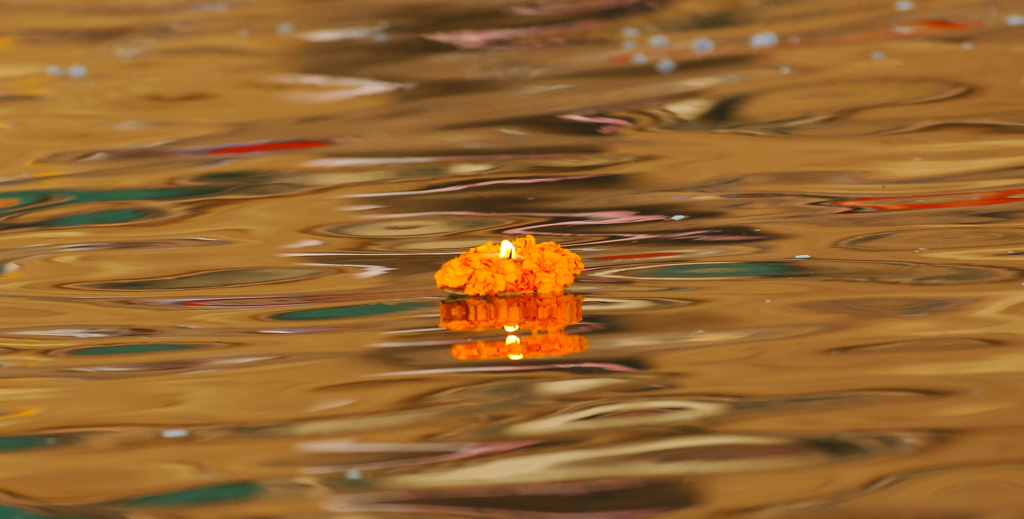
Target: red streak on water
{"points": [[263, 147], [1005, 196], [634, 256]]}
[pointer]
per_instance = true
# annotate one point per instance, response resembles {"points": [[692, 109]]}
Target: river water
{"points": [[801, 223]]}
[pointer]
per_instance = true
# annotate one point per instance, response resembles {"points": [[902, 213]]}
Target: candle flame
{"points": [[508, 251], [511, 327], [511, 339], [515, 356]]}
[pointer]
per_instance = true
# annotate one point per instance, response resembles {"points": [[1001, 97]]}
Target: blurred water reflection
{"points": [[801, 224]]}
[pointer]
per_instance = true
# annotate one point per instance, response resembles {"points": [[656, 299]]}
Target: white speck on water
{"points": [[639, 59], [1015, 20], [174, 433], [380, 36], [77, 71], [700, 331], [903, 29], [628, 45], [966, 45], [904, 5], [702, 45], [679, 217], [658, 40], [54, 70], [802, 256], [764, 39], [630, 32], [285, 28], [784, 70], [878, 55], [767, 300], [353, 474], [665, 66]]}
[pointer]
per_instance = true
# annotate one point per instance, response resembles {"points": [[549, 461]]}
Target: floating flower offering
{"points": [[523, 266]]}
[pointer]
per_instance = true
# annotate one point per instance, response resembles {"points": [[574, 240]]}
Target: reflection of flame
{"points": [[508, 250], [540, 345], [540, 312], [547, 312]]}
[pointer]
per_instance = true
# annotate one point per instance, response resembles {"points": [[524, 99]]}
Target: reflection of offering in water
{"points": [[523, 266], [536, 312], [550, 344], [546, 312]]}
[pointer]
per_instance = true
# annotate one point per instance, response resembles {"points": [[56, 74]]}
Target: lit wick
{"points": [[511, 327], [508, 251]]}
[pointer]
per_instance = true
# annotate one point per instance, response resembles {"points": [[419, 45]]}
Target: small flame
{"points": [[511, 327], [511, 339], [515, 356], [508, 250]]}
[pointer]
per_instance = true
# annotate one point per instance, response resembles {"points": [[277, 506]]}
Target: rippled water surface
{"points": [[801, 223]]}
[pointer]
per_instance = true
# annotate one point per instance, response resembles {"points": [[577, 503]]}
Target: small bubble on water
{"points": [[639, 59], [174, 433], [630, 32], [966, 45], [784, 70], [877, 55], [1015, 20], [285, 28], [353, 474], [702, 45], [658, 40], [380, 36], [802, 256], [77, 71], [665, 66], [904, 5], [54, 70], [628, 45], [679, 217], [767, 300], [764, 39]]}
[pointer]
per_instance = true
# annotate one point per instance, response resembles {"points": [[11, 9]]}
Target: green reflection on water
{"points": [[7, 512], [129, 348], [98, 217], [201, 495], [341, 312], [18, 200], [14, 443]]}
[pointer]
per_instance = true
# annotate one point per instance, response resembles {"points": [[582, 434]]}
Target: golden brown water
{"points": [[801, 222]]}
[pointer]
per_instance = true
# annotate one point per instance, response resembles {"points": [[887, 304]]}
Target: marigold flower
{"points": [[548, 312], [544, 268], [540, 345]]}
